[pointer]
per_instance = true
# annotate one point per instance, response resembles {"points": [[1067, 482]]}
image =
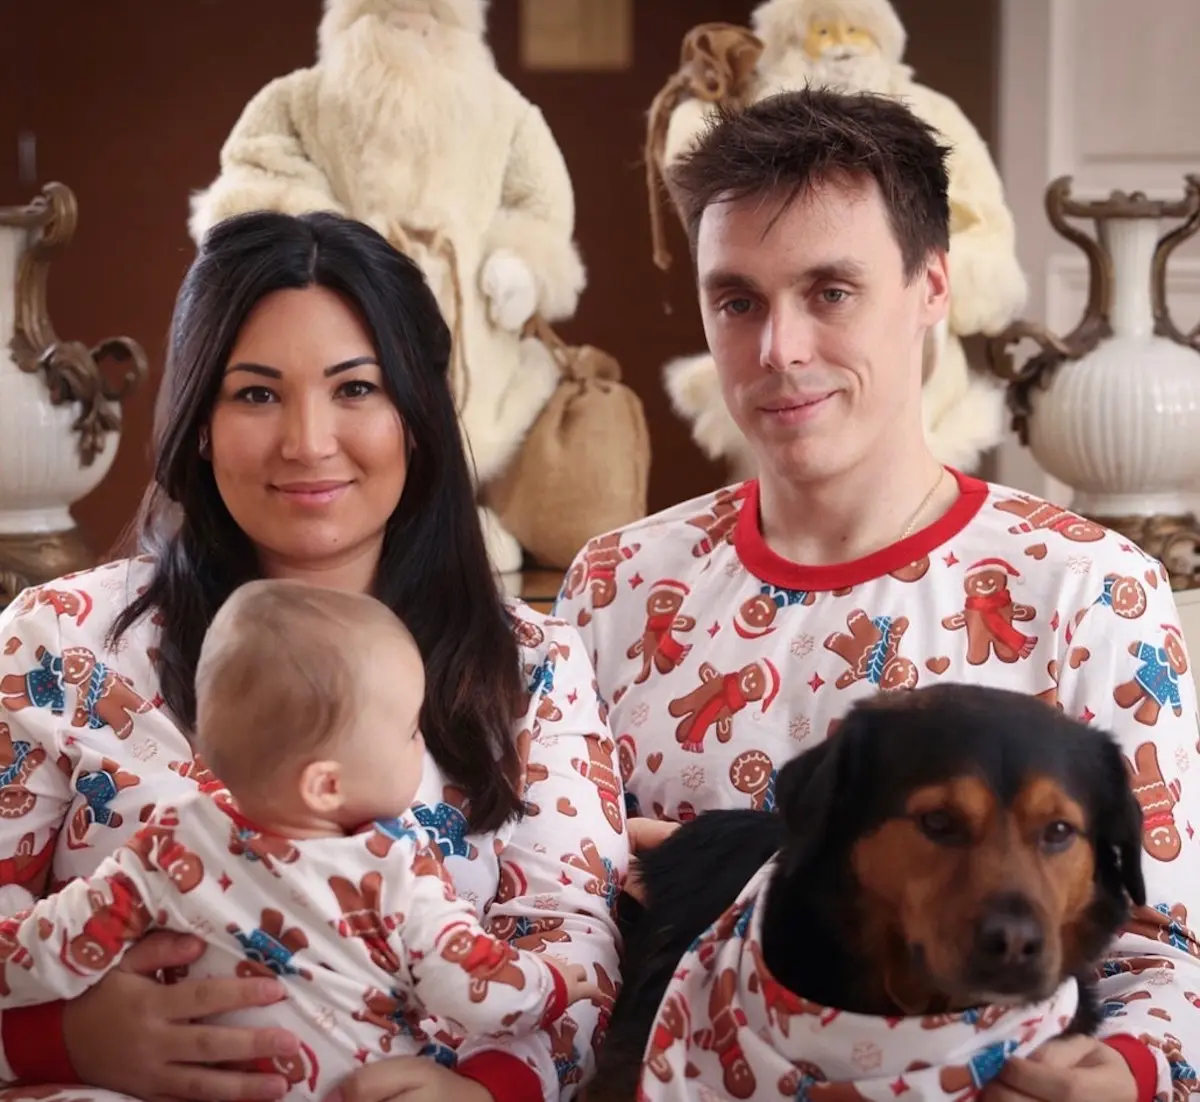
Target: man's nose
{"points": [[789, 340]]}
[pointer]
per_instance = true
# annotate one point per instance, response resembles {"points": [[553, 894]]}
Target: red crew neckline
{"points": [[774, 569]]}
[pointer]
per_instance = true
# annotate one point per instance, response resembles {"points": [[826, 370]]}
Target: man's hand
{"points": [[408, 1079], [1066, 1069]]}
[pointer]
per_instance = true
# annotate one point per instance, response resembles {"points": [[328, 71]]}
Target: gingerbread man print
{"points": [[872, 651], [756, 616], [1155, 685], [598, 768], [1168, 924], [359, 904], [717, 524], [1160, 835], [1040, 516], [719, 698], [721, 1037], [103, 697], [627, 757], [270, 948], [112, 925], [989, 614], [597, 570], [753, 773], [658, 648], [533, 933], [484, 959], [18, 760], [673, 1025], [157, 848], [1125, 595], [99, 787]]}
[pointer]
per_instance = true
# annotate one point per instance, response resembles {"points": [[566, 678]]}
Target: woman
{"points": [[307, 431]]}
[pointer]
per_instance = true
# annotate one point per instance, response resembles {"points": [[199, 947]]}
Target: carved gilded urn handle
{"points": [[71, 369]]}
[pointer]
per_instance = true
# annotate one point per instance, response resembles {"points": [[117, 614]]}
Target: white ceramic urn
{"points": [[59, 415], [1112, 408]]}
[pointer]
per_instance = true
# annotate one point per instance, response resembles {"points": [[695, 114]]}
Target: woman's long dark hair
{"points": [[434, 570]]}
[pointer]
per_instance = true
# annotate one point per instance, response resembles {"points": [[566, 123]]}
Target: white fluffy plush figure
{"points": [[858, 46], [405, 123]]}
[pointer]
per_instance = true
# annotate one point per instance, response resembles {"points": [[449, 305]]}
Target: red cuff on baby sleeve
{"points": [[35, 1045], [506, 1077], [1141, 1062]]}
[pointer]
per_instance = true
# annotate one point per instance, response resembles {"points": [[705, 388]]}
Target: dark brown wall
{"points": [[130, 101]]}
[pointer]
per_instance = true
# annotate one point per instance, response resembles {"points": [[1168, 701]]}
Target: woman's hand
{"points": [[644, 834], [1066, 1069], [134, 1035], [408, 1079]]}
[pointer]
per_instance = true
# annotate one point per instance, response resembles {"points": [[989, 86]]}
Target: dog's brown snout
{"points": [[1009, 937]]}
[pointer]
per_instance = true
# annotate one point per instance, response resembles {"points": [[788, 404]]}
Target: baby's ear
{"points": [[321, 787]]}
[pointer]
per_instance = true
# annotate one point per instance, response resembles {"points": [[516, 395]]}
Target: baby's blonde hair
{"points": [[281, 673]]}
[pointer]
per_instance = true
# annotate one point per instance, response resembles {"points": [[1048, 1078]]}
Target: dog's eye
{"points": [[940, 826], [1058, 835]]}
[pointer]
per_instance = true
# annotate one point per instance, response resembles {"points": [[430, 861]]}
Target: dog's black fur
{"points": [[839, 792]]}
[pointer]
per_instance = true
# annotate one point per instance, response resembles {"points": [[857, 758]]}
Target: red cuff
{"points": [[1141, 1062], [35, 1045], [504, 1076], [558, 998]]}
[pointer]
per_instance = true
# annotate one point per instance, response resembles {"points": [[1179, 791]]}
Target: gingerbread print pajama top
{"points": [[88, 750], [720, 660], [366, 931]]}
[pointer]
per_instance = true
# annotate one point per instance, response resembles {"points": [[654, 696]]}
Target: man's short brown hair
{"points": [[787, 143], [281, 673]]}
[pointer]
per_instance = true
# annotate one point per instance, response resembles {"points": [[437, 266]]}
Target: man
{"points": [[733, 631]]}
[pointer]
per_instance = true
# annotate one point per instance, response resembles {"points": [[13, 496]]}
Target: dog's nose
{"points": [[1009, 933]]}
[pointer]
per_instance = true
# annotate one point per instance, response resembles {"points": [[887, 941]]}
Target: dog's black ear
{"points": [[1119, 834], [813, 790]]}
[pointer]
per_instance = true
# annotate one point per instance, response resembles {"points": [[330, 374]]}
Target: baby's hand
{"points": [[575, 976]]}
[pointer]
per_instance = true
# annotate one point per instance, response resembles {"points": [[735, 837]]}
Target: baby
{"points": [[300, 863]]}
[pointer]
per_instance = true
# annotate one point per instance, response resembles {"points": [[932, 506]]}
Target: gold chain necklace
{"points": [[912, 524]]}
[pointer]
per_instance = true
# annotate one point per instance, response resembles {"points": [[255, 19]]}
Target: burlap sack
{"points": [[716, 64], [584, 466]]}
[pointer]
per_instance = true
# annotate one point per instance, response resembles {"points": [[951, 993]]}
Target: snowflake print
{"points": [[545, 903], [325, 1019], [866, 1056], [692, 777], [1079, 564], [640, 714], [802, 646], [800, 727], [1183, 761], [732, 568], [201, 927], [145, 750]]}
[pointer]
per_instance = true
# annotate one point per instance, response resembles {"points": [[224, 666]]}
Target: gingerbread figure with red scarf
{"points": [[342, 894], [989, 614]]}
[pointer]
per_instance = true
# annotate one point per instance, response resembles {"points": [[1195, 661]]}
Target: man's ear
{"points": [[814, 790], [935, 301]]}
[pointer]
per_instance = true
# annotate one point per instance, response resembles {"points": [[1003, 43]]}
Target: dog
{"points": [[947, 848]]}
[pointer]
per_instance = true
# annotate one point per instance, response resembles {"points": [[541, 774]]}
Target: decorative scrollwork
{"points": [[72, 370], [1189, 210], [1093, 326]]}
